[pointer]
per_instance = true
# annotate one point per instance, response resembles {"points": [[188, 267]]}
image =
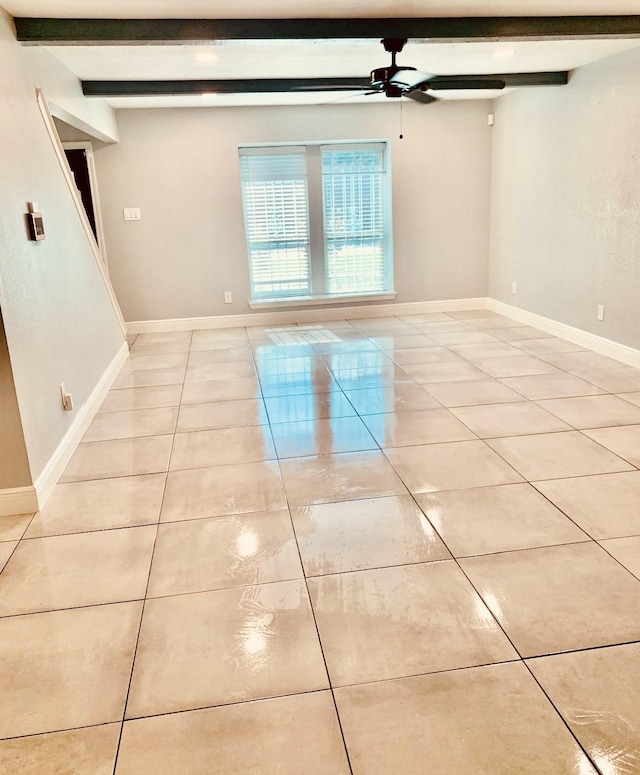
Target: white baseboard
{"points": [[48, 479], [627, 355], [18, 500], [306, 315]]}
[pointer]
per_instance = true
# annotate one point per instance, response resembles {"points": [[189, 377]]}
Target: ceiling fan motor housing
{"points": [[382, 75]]}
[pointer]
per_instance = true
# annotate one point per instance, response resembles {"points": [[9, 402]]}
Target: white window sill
{"points": [[317, 301]]}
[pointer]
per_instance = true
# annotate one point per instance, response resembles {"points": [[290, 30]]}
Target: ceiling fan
{"points": [[396, 80]]}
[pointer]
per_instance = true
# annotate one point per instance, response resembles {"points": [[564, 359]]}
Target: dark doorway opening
{"points": [[77, 159]]}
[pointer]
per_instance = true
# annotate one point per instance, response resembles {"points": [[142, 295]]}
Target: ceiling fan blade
{"points": [[351, 97], [328, 87], [420, 96], [345, 97], [442, 84], [409, 78]]}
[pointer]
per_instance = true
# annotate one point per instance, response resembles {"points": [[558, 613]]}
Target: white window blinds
{"points": [[276, 211], [354, 195], [318, 220]]}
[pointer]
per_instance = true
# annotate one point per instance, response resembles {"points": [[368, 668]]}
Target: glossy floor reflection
{"points": [[370, 546]]}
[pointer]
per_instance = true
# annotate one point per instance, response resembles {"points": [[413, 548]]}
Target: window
{"points": [[276, 213], [353, 187], [317, 220]]}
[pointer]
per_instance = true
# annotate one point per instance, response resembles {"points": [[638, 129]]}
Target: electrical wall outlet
{"points": [[131, 214], [228, 298], [600, 312], [514, 287], [66, 398]]}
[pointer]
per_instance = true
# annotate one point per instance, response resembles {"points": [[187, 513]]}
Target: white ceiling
{"points": [[300, 59], [305, 98], [297, 59], [316, 59]]}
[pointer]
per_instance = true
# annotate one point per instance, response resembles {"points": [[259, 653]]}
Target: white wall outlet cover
{"points": [[33, 207], [228, 298], [600, 312], [514, 287]]}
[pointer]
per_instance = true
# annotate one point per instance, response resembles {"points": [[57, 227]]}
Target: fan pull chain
{"points": [[401, 135]]}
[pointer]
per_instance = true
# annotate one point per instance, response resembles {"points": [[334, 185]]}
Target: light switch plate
{"points": [[132, 214]]}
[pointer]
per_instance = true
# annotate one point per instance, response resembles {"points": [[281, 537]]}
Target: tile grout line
{"points": [[613, 557], [318, 691], [144, 602], [369, 497], [313, 614], [18, 542], [499, 624], [587, 540], [564, 721]]}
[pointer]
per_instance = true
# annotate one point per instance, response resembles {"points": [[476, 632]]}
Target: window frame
{"points": [[318, 245]]}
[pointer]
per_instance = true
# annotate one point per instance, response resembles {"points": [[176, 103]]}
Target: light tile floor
{"points": [[390, 545]]}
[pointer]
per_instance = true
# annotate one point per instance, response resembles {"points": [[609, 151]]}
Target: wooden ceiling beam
{"points": [[58, 32], [256, 85]]}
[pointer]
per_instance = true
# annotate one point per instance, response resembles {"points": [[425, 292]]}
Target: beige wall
{"points": [[14, 465], [565, 216], [181, 168], [60, 325]]}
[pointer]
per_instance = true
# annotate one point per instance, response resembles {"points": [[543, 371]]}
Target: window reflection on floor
{"points": [[305, 390]]}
